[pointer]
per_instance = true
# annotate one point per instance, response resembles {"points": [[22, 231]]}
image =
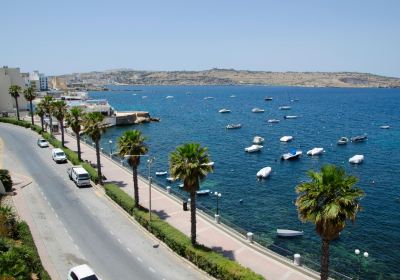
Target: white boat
{"points": [[315, 151], [161, 173], [268, 98], [211, 163], [233, 96], [224, 111], [288, 117], [286, 138], [169, 97], [356, 159], [258, 140], [257, 110], [233, 126], [360, 138], [180, 185], [343, 141], [385, 126], [288, 232], [264, 172], [208, 98], [202, 192], [273, 121], [285, 108], [293, 154], [171, 179], [253, 148]]}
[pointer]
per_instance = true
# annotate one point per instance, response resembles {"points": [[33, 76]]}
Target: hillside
{"points": [[232, 77]]}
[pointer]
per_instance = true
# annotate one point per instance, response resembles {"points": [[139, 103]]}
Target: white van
{"points": [[79, 175], [58, 155]]}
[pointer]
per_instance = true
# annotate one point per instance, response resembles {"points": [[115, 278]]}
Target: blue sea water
{"points": [[324, 115]]}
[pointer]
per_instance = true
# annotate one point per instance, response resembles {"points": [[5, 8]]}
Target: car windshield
{"points": [[60, 154], [91, 277], [42, 140], [83, 176]]}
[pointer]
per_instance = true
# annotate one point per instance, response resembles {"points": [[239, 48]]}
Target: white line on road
{"points": [[119, 240], [56, 215], [49, 203], [45, 198], [139, 259], [129, 250], [112, 233], [152, 269]]}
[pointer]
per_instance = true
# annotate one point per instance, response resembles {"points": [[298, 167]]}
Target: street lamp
{"points": [[110, 142], [365, 254], [218, 196]]}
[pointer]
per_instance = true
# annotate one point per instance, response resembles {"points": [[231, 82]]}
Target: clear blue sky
{"points": [[68, 36]]}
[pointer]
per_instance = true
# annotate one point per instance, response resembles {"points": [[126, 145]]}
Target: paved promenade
{"points": [[217, 237]]}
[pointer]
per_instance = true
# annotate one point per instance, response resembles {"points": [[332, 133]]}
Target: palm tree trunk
{"points": [[31, 107], [62, 132], [51, 125], [98, 163], [16, 104], [135, 185], [325, 259], [78, 144], [193, 217], [41, 123]]}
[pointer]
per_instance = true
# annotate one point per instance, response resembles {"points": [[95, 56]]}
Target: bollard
{"points": [[297, 259], [250, 237], [217, 218], [168, 189]]}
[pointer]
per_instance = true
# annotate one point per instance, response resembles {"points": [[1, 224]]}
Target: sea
{"points": [[190, 114]]}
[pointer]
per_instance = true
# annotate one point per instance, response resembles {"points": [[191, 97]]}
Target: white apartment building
{"points": [[40, 80], [9, 77]]}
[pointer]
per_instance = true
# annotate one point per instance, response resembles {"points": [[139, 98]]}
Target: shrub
{"points": [[92, 172], [212, 262], [5, 178]]}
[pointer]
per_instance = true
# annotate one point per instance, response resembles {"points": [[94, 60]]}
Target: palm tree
{"points": [[60, 111], [40, 111], [189, 163], [74, 120], [30, 95], [327, 201], [48, 109], [94, 127], [15, 91], [131, 145]]}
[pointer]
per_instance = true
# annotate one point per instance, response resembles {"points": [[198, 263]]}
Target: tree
{"points": [[94, 127], [15, 91], [59, 112], [131, 145], [30, 95], [47, 103], [74, 120], [327, 201], [40, 111], [189, 163]]}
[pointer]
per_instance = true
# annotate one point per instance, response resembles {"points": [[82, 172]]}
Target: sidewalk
{"points": [[217, 237]]}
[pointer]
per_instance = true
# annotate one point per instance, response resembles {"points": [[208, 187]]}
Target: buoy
{"points": [[241, 201]]}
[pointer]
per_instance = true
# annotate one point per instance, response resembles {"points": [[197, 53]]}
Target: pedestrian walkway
{"points": [[217, 237]]}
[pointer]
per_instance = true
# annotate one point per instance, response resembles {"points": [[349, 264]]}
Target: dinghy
{"points": [[356, 159], [286, 138], [288, 232], [161, 173], [253, 148], [264, 172], [258, 140], [315, 151]]}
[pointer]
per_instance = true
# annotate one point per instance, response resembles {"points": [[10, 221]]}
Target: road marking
{"points": [[76, 247], [112, 233], [56, 216], [119, 240], [152, 269], [49, 203], [139, 259], [129, 250], [45, 198]]}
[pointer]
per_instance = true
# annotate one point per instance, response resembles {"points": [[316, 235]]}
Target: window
{"points": [[73, 276]]}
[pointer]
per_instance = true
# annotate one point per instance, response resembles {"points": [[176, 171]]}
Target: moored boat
{"points": [[264, 172], [203, 192], [356, 159], [224, 111], [171, 179], [257, 110], [268, 98], [343, 141], [233, 126], [293, 154], [211, 163], [384, 126], [161, 173], [286, 138], [285, 108], [288, 232], [273, 121], [169, 97], [360, 138], [315, 151], [258, 140], [208, 98], [288, 117], [253, 148]]}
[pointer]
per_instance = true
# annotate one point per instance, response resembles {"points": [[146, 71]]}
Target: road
{"points": [[80, 225]]}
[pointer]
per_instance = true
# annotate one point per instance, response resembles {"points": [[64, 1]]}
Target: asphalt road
{"points": [[79, 225]]}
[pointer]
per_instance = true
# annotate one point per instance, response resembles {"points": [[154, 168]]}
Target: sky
{"points": [[59, 37]]}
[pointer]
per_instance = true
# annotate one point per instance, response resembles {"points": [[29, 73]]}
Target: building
{"points": [[58, 83], [40, 80], [9, 77]]}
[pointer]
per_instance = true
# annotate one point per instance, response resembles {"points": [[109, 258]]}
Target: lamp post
{"points": [[110, 142], [218, 196], [365, 254]]}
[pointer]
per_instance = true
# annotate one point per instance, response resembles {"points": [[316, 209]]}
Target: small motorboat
{"points": [[224, 111], [203, 192], [316, 152], [384, 126], [288, 117], [161, 173], [257, 110], [169, 97], [258, 140], [286, 138], [233, 126], [211, 163], [268, 98], [273, 121], [293, 154], [171, 179], [264, 172], [288, 232], [253, 148], [360, 138], [356, 159], [232, 96], [285, 108], [180, 185], [343, 141], [208, 98]]}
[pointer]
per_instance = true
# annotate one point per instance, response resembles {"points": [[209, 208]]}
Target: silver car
{"points": [[42, 143]]}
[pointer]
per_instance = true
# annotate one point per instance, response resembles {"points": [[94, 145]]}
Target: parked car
{"points": [[79, 175], [58, 155], [42, 143], [82, 272]]}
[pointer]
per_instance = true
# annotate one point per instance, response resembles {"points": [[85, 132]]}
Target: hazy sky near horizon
{"points": [[58, 37]]}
